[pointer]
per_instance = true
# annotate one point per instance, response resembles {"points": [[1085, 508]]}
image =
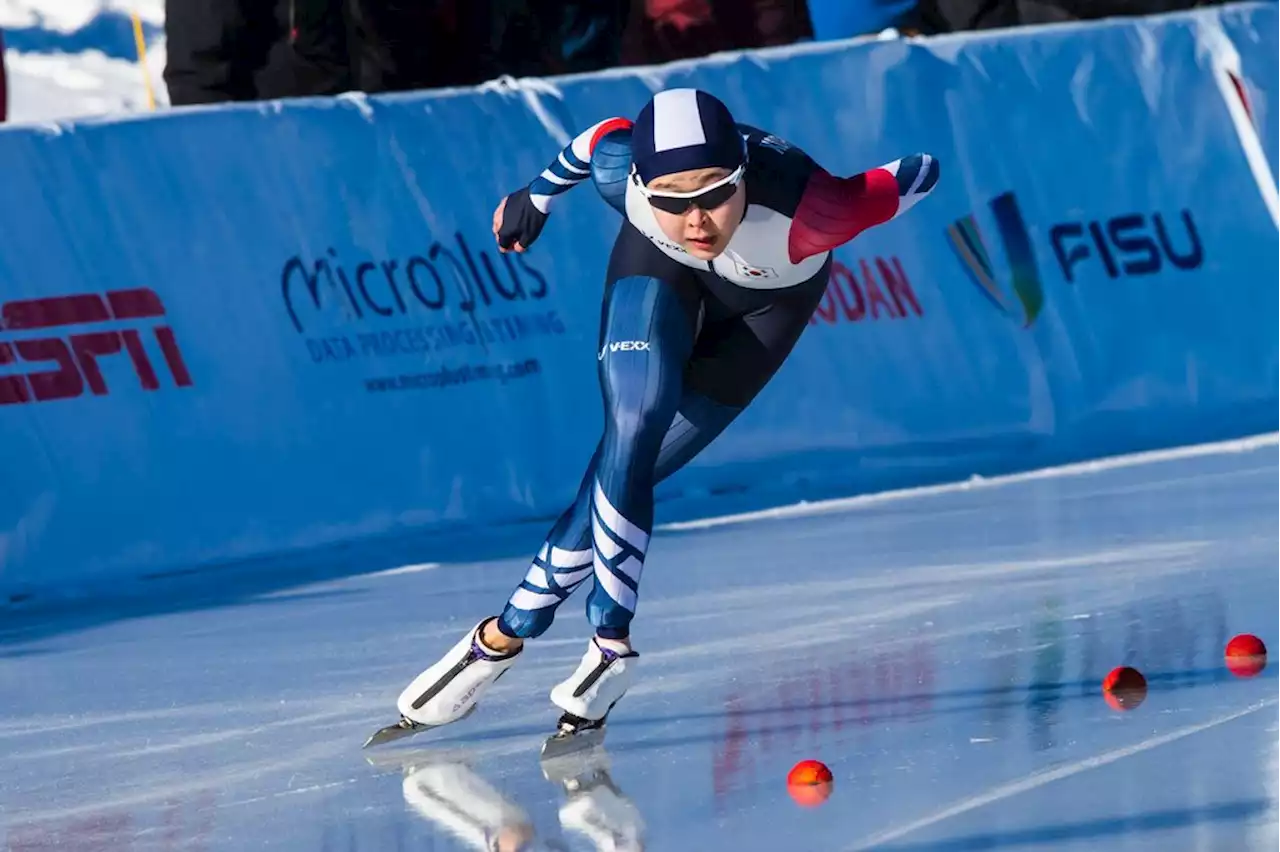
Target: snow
{"points": [[71, 15], [86, 79]]}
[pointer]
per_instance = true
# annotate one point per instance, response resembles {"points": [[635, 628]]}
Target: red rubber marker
{"points": [[809, 782], [1124, 688], [1246, 655]]}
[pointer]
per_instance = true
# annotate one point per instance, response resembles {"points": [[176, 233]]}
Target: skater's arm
{"points": [[834, 210], [572, 166], [520, 216]]}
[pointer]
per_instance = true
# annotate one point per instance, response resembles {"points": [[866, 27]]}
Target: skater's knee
{"points": [[635, 425], [640, 406]]}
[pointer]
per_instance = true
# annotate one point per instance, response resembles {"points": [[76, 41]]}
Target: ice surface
{"points": [[941, 652]]}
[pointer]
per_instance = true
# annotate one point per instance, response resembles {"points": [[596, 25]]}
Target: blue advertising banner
{"points": [[258, 329]]}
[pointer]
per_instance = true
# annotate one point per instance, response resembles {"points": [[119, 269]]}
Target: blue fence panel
{"points": [[252, 330]]}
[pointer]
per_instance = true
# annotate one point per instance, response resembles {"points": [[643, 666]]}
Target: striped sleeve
{"points": [[572, 166], [834, 210]]}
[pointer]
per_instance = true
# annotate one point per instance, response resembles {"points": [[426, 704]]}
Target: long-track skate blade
{"points": [[401, 729], [406, 728], [562, 744]]}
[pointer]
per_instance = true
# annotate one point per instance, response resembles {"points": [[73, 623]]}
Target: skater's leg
{"points": [[730, 364], [648, 338], [559, 568], [566, 559], [647, 342], [734, 357]]}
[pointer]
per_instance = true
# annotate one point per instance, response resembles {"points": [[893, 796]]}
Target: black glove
{"points": [[521, 221]]}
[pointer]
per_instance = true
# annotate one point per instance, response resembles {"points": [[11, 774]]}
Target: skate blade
{"points": [[400, 730], [560, 745], [407, 728]]}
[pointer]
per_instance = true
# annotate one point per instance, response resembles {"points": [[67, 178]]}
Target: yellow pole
{"points": [[142, 58]]}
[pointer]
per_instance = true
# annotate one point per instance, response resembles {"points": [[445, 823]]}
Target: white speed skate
{"points": [[449, 690], [586, 697]]}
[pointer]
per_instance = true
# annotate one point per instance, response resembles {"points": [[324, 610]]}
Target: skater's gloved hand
{"points": [[516, 222]]}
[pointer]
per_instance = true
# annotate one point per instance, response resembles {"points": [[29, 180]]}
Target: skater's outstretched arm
{"points": [[834, 210], [520, 216]]}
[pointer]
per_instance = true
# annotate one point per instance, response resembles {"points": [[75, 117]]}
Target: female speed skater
{"points": [[723, 255]]}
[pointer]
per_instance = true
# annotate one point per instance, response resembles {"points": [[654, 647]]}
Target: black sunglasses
{"points": [[708, 199]]}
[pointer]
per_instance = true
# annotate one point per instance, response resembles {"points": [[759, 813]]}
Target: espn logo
{"points": [[75, 357]]}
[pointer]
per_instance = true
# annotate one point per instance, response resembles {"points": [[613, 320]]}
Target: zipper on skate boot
{"points": [[607, 660], [476, 653], [472, 655]]}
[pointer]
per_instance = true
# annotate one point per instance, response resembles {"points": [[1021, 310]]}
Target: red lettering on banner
{"points": [[899, 287], [78, 356], [854, 298], [12, 388], [62, 383], [87, 348], [141, 363], [135, 304], [873, 293], [173, 356], [50, 313]]}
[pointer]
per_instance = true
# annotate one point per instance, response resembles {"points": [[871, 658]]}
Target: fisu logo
{"points": [[623, 346], [969, 246], [1122, 246]]}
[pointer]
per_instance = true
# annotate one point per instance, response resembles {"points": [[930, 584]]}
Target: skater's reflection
{"points": [[447, 792], [594, 806]]}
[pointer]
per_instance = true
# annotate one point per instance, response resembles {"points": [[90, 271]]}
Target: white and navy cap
{"points": [[682, 129]]}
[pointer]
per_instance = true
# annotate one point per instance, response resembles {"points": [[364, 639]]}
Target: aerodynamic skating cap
{"points": [[682, 129]]}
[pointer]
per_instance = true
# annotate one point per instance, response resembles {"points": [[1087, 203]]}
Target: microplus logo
{"points": [[969, 246], [1124, 246], [623, 346]]}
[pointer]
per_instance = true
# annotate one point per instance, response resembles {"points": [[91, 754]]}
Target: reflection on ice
{"points": [[447, 791]]}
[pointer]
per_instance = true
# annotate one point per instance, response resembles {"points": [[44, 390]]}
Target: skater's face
{"points": [[704, 233]]}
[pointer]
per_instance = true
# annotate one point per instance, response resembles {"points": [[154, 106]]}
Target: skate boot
{"points": [[450, 689], [587, 696]]}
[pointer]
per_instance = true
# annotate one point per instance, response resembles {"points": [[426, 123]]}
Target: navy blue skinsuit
{"points": [[685, 344]]}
